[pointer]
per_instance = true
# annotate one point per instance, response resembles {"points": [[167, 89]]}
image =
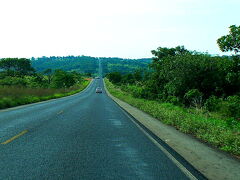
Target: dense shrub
{"points": [[16, 66], [194, 97], [13, 81], [233, 107], [213, 103], [114, 77], [62, 79], [174, 100]]}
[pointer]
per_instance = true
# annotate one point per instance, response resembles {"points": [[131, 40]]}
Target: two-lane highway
{"points": [[84, 136]]}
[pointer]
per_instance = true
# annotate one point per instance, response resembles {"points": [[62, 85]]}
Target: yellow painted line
{"points": [[15, 137]]}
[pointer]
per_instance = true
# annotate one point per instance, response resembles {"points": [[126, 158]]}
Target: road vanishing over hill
{"points": [[84, 136]]}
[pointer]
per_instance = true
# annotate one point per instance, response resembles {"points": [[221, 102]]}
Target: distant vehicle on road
{"points": [[99, 90], [97, 77]]}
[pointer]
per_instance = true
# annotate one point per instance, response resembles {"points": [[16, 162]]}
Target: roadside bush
{"points": [[213, 103], [233, 107], [13, 81], [174, 100], [62, 79], [36, 81], [8, 102], [194, 97], [114, 77], [136, 90], [232, 122], [2, 104]]}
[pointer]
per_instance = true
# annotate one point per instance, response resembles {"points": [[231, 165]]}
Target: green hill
{"points": [[87, 64]]}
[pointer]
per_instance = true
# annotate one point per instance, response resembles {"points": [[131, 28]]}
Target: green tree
{"points": [[138, 75], [114, 77], [233, 76], [175, 72], [127, 78], [15, 66], [230, 42], [48, 73], [77, 76], [62, 79], [162, 52], [194, 97]]}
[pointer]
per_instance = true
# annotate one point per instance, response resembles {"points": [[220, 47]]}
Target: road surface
{"points": [[84, 136]]}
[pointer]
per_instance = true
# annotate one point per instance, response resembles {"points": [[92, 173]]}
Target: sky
{"points": [[112, 28]]}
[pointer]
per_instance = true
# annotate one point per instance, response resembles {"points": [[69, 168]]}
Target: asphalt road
{"points": [[84, 136]]}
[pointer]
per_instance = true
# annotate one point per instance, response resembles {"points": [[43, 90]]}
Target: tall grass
{"points": [[11, 96], [215, 131]]}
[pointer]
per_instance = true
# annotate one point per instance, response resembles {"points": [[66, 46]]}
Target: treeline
{"points": [[19, 72], [88, 65], [124, 66], [81, 64], [188, 78]]}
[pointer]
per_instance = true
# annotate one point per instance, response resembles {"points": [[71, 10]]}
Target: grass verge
{"points": [[211, 130], [15, 96]]}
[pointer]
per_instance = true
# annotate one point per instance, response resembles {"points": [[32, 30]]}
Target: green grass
{"points": [[204, 126], [11, 96]]}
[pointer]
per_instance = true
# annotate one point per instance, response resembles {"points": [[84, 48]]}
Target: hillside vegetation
{"points": [[81, 64], [124, 66], [89, 65]]}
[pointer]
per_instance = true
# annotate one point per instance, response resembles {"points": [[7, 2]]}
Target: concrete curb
{"points": [[210, 162]]}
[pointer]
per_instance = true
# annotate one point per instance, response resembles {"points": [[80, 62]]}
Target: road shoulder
{"points": [[209, 161]]}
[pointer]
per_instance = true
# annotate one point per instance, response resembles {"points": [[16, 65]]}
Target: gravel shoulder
{"points": [[210, 162]]}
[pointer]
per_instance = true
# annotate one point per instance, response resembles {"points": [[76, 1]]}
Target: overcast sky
{"points": [[112, 28]]}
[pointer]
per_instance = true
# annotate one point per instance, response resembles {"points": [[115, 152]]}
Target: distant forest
{"points": [[81, 64], [89, 65]]}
